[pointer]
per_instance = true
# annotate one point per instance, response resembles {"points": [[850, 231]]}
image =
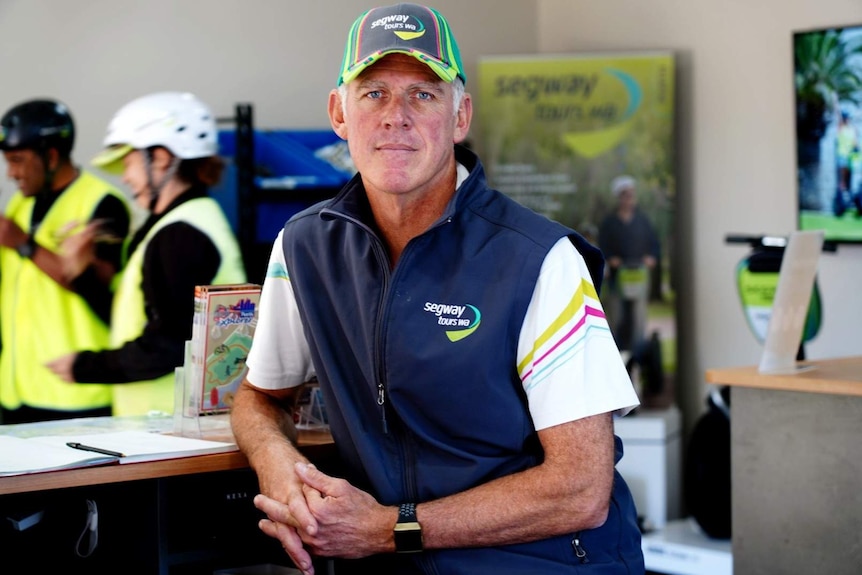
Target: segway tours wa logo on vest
{"points": [[465, 318], [401, 25]]}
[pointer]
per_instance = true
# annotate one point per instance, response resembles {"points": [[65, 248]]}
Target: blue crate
{"points": [[285, 163]]}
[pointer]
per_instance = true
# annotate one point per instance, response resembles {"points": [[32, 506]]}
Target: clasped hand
{"points": [[329, 518], [78, 247], [11, 235]]}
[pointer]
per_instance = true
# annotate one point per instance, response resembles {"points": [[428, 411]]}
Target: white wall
{"points": [[735, 158]]}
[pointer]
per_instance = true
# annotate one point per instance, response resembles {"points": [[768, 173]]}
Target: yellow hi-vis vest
{"points": [[128, 317], [846, 141], [39, 319]]}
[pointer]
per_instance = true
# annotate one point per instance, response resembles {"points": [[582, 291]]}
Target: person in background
{"points": [[846, 149], [165, 146], [468, 373], [630, 244], [45, 313], [847, 161]]}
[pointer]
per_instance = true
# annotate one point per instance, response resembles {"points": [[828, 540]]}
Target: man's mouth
{"points": [[395, 148]]}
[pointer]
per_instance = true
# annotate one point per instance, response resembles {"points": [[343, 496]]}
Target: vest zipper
{"points": [[580, 552], [383, 260], [381, 401]]}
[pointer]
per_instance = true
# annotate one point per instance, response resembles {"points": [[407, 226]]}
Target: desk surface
{"points": [[310, 442], [842, 376], [682, 548]]}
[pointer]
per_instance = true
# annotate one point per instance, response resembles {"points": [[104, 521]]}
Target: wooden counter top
{"points": [[841, 376], [313, 444]]}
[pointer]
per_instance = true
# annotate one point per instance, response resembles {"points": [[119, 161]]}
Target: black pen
{"points": [[83, 447]]}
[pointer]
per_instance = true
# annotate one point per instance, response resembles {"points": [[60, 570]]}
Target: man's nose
{"points": [[397, 112]]}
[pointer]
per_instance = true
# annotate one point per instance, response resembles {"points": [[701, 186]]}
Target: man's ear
{"points": [[336, 114], [53, 159], [463, 118], [161, 158]]}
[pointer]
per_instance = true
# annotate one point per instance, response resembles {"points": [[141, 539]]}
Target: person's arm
{"points": [[51, 263], [12, 236], [279, 362], [178, 258], [263, 427], [102, 242], [568, 492], [648, 240]]}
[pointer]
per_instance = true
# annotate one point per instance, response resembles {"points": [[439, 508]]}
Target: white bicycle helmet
{"points": [[178, 121]]}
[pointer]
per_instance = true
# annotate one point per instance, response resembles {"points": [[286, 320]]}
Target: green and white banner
{"points": [[555, 130]]}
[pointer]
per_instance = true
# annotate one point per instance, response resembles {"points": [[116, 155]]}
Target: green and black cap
{"points": [[411, 29]]}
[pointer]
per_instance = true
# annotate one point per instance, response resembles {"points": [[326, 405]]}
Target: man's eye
{"points": [[375, 94], [425, 95]]}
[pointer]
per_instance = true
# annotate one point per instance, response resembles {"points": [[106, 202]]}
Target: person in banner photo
{"points": [[846, 155], [165, 145], [468, 373], [45, 312], [629, 241]]}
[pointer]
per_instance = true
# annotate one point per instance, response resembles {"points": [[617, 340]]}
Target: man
{"points": [[468, 374], [45, 313], [630, 244]]}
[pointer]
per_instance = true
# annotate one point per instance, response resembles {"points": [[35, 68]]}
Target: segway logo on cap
{"points": [[450, 315], [401, 26]]}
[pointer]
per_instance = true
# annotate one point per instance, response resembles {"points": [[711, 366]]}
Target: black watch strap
{"points": [[408, 532], [27, 249]]}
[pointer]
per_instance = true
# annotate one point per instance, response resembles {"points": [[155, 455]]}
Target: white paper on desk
{"points": [[137, 446], [19, 456]]}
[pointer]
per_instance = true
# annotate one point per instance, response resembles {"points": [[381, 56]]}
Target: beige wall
{"points": [[735, 121], [736, 156], [281, 55]]}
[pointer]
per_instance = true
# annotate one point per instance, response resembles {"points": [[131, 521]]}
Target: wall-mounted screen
{"points": [[827, 67]]}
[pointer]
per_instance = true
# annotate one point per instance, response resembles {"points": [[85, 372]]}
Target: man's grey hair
{"points": [[458, 90]]}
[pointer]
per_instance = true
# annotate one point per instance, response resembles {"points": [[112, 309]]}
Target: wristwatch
{"points": [[408, 532], [26, 249]]}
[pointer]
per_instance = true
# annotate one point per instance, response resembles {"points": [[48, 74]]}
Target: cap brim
{"points": [[111, 159], [446, 73]]}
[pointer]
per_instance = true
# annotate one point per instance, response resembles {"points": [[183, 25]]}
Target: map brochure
{"points": [[223, 328]]}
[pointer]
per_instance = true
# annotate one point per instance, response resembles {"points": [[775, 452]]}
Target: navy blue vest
{"points": [[418, 364]]}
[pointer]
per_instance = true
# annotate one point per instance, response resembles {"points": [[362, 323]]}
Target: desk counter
{"points": [[796, 463], [842, 376], [312, 443], [144, 509]]}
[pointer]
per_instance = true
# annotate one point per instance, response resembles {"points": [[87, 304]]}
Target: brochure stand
{"points": [[311, 410], [186, 415], [189, 420]]}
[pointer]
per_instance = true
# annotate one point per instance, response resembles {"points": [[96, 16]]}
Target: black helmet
{"points": [[38, 125]]}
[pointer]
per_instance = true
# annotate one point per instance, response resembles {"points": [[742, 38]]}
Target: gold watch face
{"points": [[408, 537]]}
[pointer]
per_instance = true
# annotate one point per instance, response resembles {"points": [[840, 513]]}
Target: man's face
{"points": [[135, 178], [135, 173], [27, 169], [400, 124], [627, 198]]}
